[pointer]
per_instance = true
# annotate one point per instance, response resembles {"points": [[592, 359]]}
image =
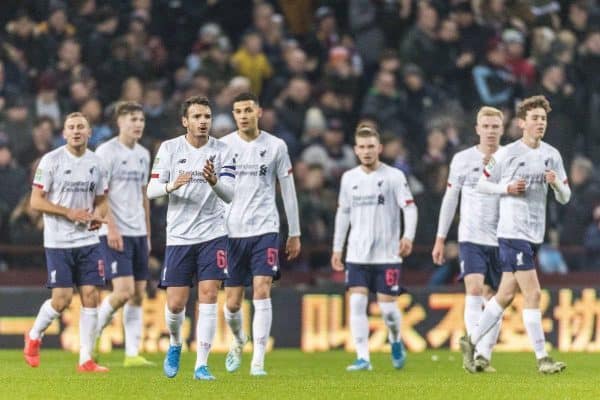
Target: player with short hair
{"points": [[372, 199], [521, 173], [478, 244], [196, 233], [253, 227], [125, 238], [69, 189]]}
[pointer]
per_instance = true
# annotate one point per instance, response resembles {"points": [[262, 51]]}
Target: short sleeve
{"points": [[160, 168], [344, 197], [43, 175], [101, 181]]}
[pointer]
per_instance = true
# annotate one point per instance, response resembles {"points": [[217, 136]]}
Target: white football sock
{"points": [[132, 322], [45, 316], [234, 320], [491, 314], [473, 311], [261, 330], [359, 324], [88, 321], [532, 319], [393, 319], [206, 326], [489, 340], [105, 314], [174, 322]]}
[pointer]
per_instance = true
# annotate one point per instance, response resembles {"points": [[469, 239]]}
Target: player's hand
{"points": [[437, 255], [517, 188], [405, 247], [209, 173], [292, 247], [182, 179], [114, 238], [79, 215], [550, 177], [336, 261]]}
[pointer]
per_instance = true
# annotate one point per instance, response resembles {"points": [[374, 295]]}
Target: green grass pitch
{"points": [[296, 375]]}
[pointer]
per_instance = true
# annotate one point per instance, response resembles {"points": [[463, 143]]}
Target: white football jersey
{"points": [[195, 213], [374, 201], [524, 217], [126, 173], [478, 211], [72, 182], [259, 164]]}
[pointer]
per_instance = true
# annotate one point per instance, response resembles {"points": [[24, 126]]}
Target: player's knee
{"points": [[136, 298], [124, 295], [474, 290], [61, 303], [532, 297], [208, 296], [176, 307]]}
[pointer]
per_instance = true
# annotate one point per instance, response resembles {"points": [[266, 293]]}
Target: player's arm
{"points": [[160, 184], [342, 225], [40, 202], [290, 202], [100, 212], [447, 212], [489, 182], [411, 215], [558, 182], [146, 202], [224, 184]]}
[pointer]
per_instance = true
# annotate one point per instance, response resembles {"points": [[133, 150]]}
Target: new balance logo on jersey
{"points": [[67, 172], [380, 183], [475, 169], [355, 187], [53, 276], [92, 187], [263, 152], [262, 170], [520, 258], [522, 164], [182, 161], [124, 162]]}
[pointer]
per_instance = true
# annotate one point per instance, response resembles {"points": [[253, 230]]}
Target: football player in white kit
{"points": [[69, 189], [372, 199], [253, 227], [125, 238], [521, 173], [478, 244], [196, 231]]}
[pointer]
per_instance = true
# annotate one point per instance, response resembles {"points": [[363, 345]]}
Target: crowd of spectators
{"points": [[416, 69]]}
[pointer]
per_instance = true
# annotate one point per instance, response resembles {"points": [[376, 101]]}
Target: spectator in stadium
{"points": [[495, 84], [383, 101], [293, 103], [15, 185], [42, 139], [331, 153], [419, 45], [250, 61], [517, 63], [50, 34], [591, 243], [26, 228]]}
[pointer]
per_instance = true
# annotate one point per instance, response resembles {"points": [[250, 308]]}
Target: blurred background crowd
{"points": [[416, 69]]}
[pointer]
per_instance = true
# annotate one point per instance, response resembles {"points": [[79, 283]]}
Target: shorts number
{"points": [[392, 276], [221, 258], [272, 256]]}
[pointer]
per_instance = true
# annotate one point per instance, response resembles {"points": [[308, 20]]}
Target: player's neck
{"points": [[128, 142], [77, 151], [249, 135], [487, 149], [370, 168], [532, 142], [196, 141]]}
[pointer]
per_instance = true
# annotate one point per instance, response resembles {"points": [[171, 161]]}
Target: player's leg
{"points": [[358, 284], [486, 345], [212, 263], [261, 323], [177, 277], [264, 264], [474, 300], [532, 319], [89, 277], [123, 288], [132, 310], [206, 326], [491, 314], [387, 286], [49, 311], [238, 275]]}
